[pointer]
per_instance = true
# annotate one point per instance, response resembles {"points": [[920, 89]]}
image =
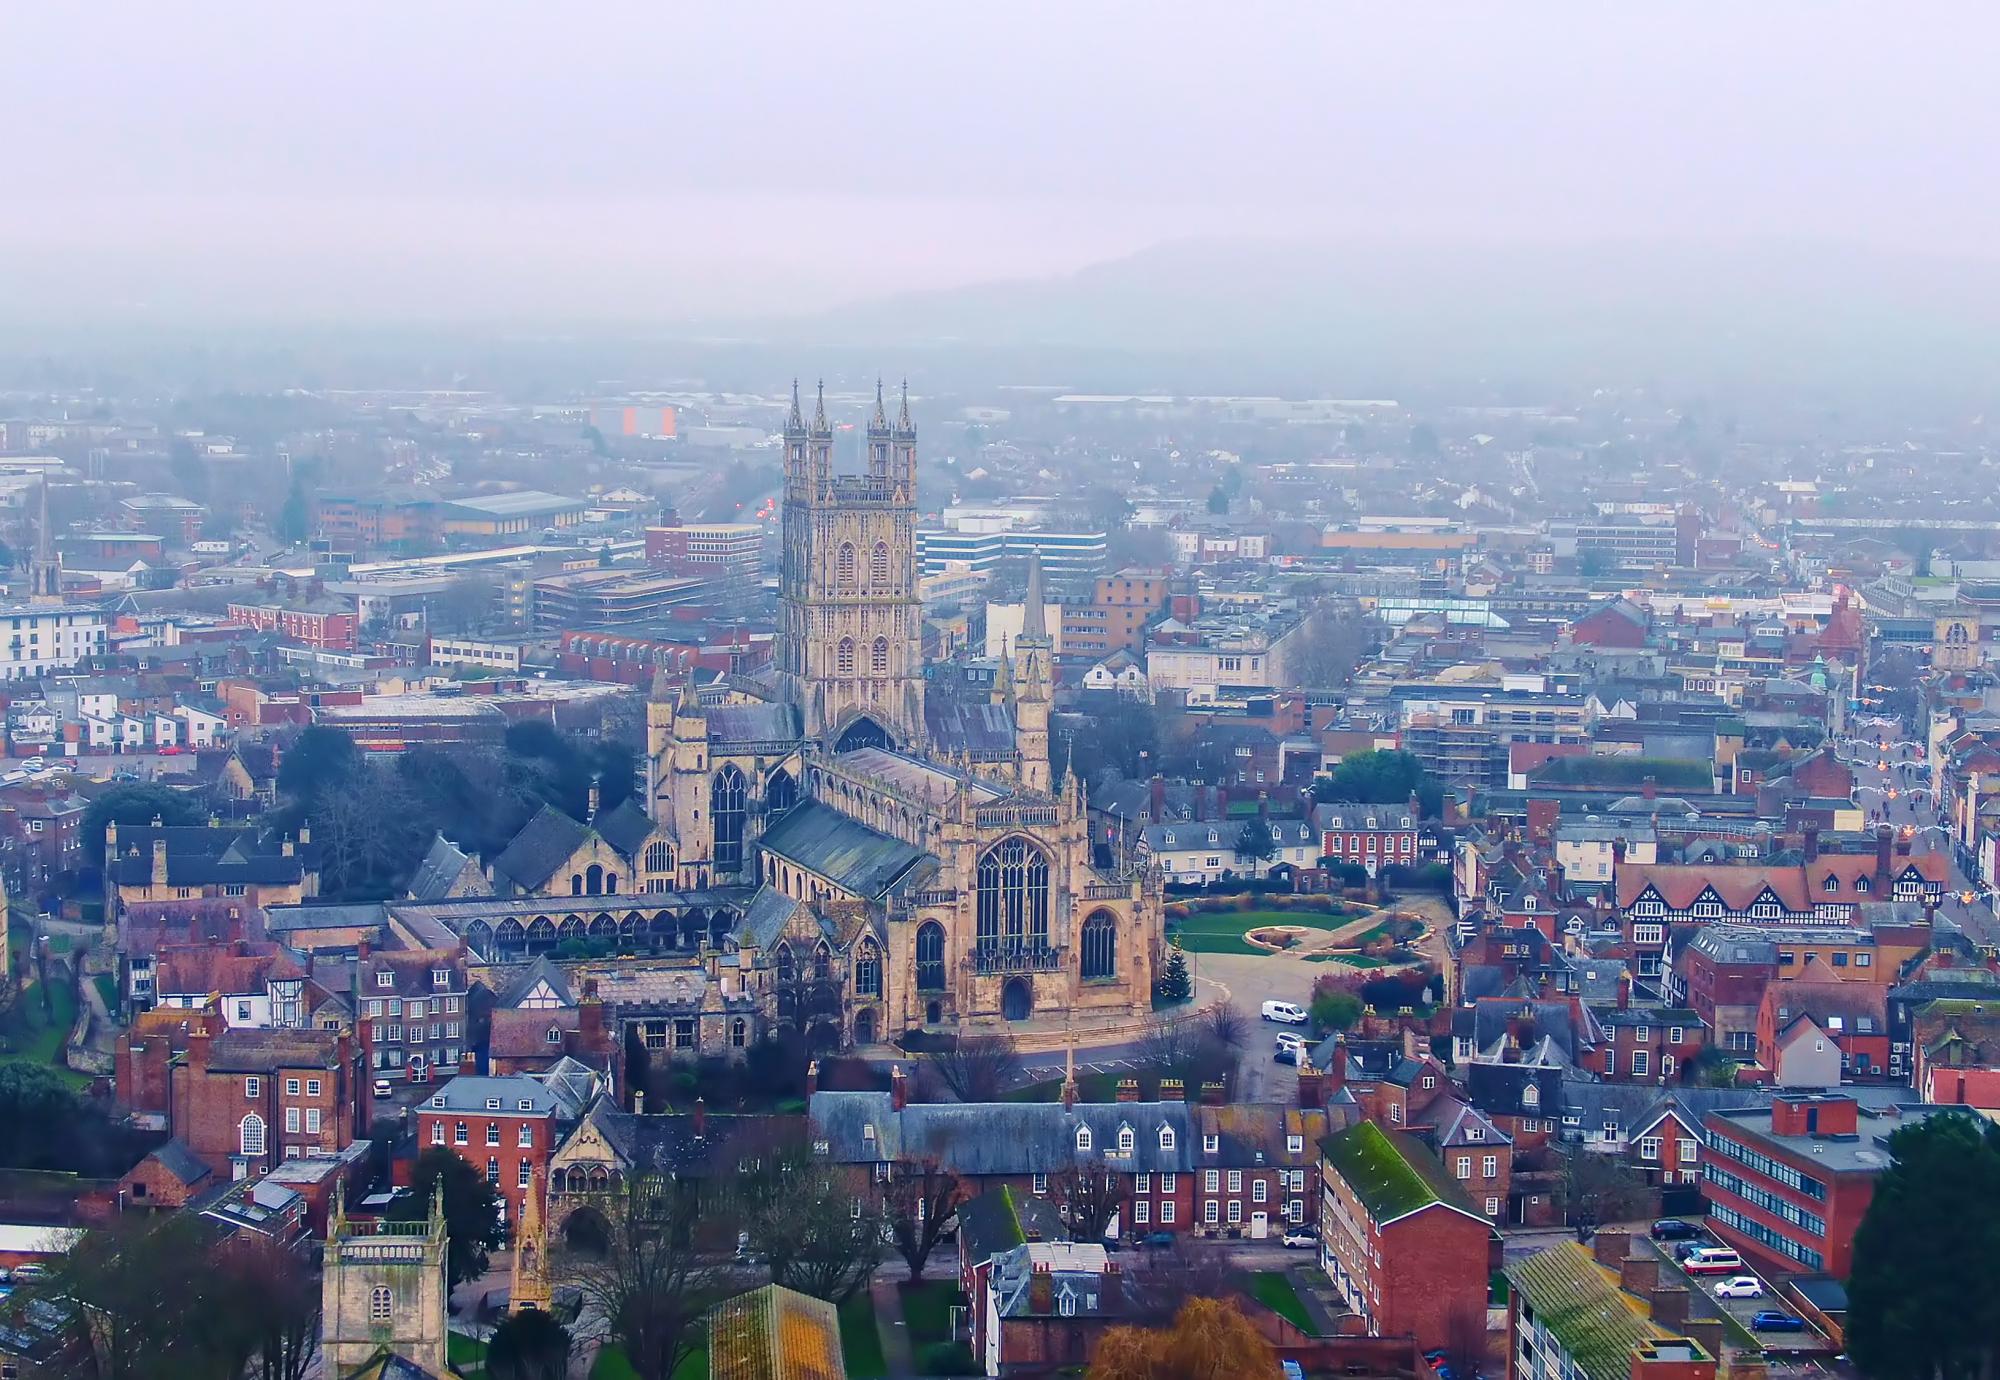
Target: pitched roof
{"points": [[753, 723], [997, 1221], [1392, 1174], [540, 969], [775, 1333], [441, 870], [1001, 1137], [626, 828], [1680, 886], [544, 844], [1580, 1303], [845, 851]]}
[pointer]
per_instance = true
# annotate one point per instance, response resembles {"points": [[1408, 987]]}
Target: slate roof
{"points": [[261, 1051], [1391, 1173], [671, 1143], [845, 851], [1074, 1268], [1580, 1303], [753, 723], [997, 1221], [626, 828], [178, 1160], [441, 869], [769, 911], [202, 855], [982, 728], [1001, 1137], [522, 982], [472, 1092], [545, 843]]}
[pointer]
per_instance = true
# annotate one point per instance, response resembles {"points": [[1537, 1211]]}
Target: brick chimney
{"points": [[288, 848], [700, 1117], [899, 1088], [1171, 1090], [468, 1061], [1610, 1246], [1159, 806], [159, 862], [590, 1019], [1884, 843], [812, 1078], [1312, 1088], [1707, 1333], [1639, 1274], [1336, 1067], [1670, 1305], [1811, 842], [198, 1048], [1128, 1090], [1649, 789], [1213, 1094], [1618, 852]]}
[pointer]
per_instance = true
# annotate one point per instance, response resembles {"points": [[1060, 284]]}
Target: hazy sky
{"points": [[653, 161]]}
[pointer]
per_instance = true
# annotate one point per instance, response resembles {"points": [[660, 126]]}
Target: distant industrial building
{"points": [[1063, 554]]}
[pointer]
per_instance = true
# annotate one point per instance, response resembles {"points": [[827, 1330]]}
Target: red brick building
{"points": [[503, 1127], [1854, 1013], [322, 625], [1400, 1240], [1656, 1045], [1371, 835], [245, 1100], [1787, 1185], [409, 1006], [1115, 619]]}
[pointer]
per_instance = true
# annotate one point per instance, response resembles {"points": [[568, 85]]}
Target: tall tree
{"points": [[1388, 777], [920, 1201], [277, 1296], [471, 1210], [1209, 1340], [652, 1285], [1088, 1194], [817, 1235], [152, 1302], [136, 803], [528, 1345], [1255, 843], [319, 759], [978, 1068], [1931, 1229]]}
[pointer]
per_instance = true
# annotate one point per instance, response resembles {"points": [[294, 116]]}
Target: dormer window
{"points": [[1166, 1137], [1295, 1145], [868, 1133], [438, 1101], [555, 1035], [1214, 837], [1531, 1096], [1125, 1140], [492, 1104], [1861, 884], [1083, 1140], [440, 977], [385, 978], [1832, 884], [1211, 1144], [524, 1105], [1477, 1132], [1528, 903]]}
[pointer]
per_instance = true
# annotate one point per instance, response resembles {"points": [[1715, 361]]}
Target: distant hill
{"points": [[1375, 316]]}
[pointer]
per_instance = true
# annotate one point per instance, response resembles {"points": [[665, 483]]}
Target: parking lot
{"points": [[1740, 1311]]}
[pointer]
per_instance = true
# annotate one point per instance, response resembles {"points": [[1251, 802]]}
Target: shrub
{"points": [[948, 1358]]}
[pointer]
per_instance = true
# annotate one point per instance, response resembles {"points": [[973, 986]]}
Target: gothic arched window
{"points": [[843, 661], [780, 792], [867, 971], [878, 662], [930, 957], [787, 970], [659, 857], [878, 566], [822, 962], [1100, 945], [727, 806], [843, 567], [250, 1135], [381, 1304], [1013, 897]]}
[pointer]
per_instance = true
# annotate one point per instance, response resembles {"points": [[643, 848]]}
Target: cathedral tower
{"points": [[1034, 677], [850, 650], [383, 1290], [45, 569]]}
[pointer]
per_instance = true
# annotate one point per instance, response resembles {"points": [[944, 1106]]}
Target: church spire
{"points": [[880, 422], [45, 570], [903, 425], [1003, 676], [820, 427], [795, 425], [1034, 625]]}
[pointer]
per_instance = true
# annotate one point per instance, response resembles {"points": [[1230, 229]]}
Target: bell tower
{"points": [[850, 654]]}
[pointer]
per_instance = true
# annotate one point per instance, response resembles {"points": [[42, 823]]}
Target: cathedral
{"points": [[927, 859]]}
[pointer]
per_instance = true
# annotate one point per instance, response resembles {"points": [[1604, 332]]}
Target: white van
{"points": [[1713, 1260], [1284, 1012]]}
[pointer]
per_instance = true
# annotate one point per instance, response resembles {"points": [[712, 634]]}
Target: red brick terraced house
{"points": [[1400, 1240], [245, 1100]]}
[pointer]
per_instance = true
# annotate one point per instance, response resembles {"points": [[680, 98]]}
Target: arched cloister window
{"points": [[1100, 945], [593, 880], [822, 962], [781, 958], [659, 857], [1013, 895], [727, 808], [781, 792], [878, 660]]}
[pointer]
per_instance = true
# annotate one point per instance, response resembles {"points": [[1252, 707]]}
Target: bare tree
{"points": [[1597, 1188], [277, 1297], [977, 1068], [920, 1202], [650, 1288], [1195, 1051], [1226, 1024], [804, 1217], [1162, 1282], [1088, 1194]]}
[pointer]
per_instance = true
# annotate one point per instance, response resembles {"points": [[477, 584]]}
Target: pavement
{"points": [[1893, 784]]}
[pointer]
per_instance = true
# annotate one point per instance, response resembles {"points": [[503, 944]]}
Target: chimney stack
{"points": [[1670, 1305], [1171, 1090], [1649, 789], [1159, 798], [700, 1116], [1610, 1246], [1213, 1094], [1811, 842], [159, 862], [1128, 1090], [1312, 1088], [1336, 1067], [638, 1101], [899, 1088], [468, 1061], [812, 1078], [1884, 842]]}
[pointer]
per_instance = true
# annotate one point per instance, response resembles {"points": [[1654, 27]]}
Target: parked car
{"points": [[1712, 1260], [1771, 1320], [1289, 1048], [1740, 1287], [1299, 1239], [1674, 1229], [1156, 1240], [1285, 1012]]}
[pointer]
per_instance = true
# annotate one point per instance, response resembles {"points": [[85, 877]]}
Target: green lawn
{"points": [[1274, 1290], [28, 1035], [612, 1365], [927, 1309], [108, 990], [466, 1354], [1221, 931], [860, 1342]]}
